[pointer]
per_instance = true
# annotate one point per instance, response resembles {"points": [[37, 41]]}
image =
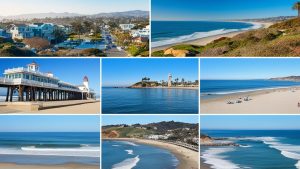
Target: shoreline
{"points": [[265, 101], [204, 165], [188, 159], [205, 40], [187, 88], [62, 166]]}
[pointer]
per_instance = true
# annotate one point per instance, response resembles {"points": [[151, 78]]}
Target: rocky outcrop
{"points": [[176, 53]]}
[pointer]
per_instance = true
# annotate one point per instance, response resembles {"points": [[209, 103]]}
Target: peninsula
{"points": [[169, 84]]}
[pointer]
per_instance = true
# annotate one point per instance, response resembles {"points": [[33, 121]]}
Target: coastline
{"points": [[86, 108], [64, 166], [204, 41], [266, 101], [187, 88], [188, 159]]}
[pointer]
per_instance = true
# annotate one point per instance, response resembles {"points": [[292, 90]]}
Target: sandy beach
{"points": [[269, 101], [87, 108], [66, 166], [188, 159], [206, 40]]}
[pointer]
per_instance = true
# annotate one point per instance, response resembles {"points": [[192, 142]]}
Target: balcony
{"points": [[26, 82]]}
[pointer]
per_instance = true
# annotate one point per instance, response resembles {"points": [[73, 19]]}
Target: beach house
{"points": [[38, 86], [43, 30], [126, 27], [4, 34]]}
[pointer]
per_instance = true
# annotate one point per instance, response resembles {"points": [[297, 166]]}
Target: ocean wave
{"points": [[129, 152], [198, 35], [116, 145], [287, 150], [129, 143], [71, 152], [127, 164], [214, 157]]}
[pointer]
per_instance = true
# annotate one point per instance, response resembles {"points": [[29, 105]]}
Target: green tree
{"points": [[59, 35], [78, 28]]}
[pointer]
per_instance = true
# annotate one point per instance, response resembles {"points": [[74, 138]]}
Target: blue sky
{"points": [[16, 7], [67, 70], [51, 123], [111, 120], [125, 72], [220, 9], [256, 122], [248, 68]]}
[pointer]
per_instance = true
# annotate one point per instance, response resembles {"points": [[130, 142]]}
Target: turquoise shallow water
{"points": [[122, 154], [155, 101], [260, 149]]}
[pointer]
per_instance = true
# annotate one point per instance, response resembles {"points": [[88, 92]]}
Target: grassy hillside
{"points": [[281, 39], [125, 132]]}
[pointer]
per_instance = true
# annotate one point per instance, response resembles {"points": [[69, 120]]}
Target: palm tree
{"points": [[182, 81], [297, 7]]}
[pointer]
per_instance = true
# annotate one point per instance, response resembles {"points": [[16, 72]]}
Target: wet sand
{"points": [[206, 40], [269, 101]]}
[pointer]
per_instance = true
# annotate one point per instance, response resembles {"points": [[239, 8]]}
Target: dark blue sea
{"points": [[170, 32], [50, 148], [215, 88], [260, 149], [122, 154], [155, 101]]}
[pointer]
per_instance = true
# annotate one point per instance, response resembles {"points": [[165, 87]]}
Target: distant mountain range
{"points": [[134, 13]]}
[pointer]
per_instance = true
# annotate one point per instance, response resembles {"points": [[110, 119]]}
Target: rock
{"points": [[177, 53]]}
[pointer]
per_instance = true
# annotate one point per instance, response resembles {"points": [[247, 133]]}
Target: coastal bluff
{"points": [[206, 140], [287, 78]]}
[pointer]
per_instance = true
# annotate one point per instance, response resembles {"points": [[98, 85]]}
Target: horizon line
{"points": [[75, 12]]}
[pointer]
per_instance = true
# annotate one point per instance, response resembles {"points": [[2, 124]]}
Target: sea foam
{"points": [[127, 164], [287, 150], [214, 157], [71, 152], [129, 152]]}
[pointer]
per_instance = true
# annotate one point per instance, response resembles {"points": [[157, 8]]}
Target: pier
{"points": [[32, 85]]}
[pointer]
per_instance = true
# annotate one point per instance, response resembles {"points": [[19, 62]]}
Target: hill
{"points": [[173, 130], [280, 39], [144, 84], [288, 78]]}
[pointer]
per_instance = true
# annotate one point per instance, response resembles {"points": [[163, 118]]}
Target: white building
{"points": [[43, 30], [145, 32], [84, 88], [126, 27], [158, 137]]}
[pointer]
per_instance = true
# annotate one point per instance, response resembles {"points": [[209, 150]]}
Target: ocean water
{"points": [[50, 148], [260, 149], [128, 155], [158, 101], [170, 32], [215, 88]]}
